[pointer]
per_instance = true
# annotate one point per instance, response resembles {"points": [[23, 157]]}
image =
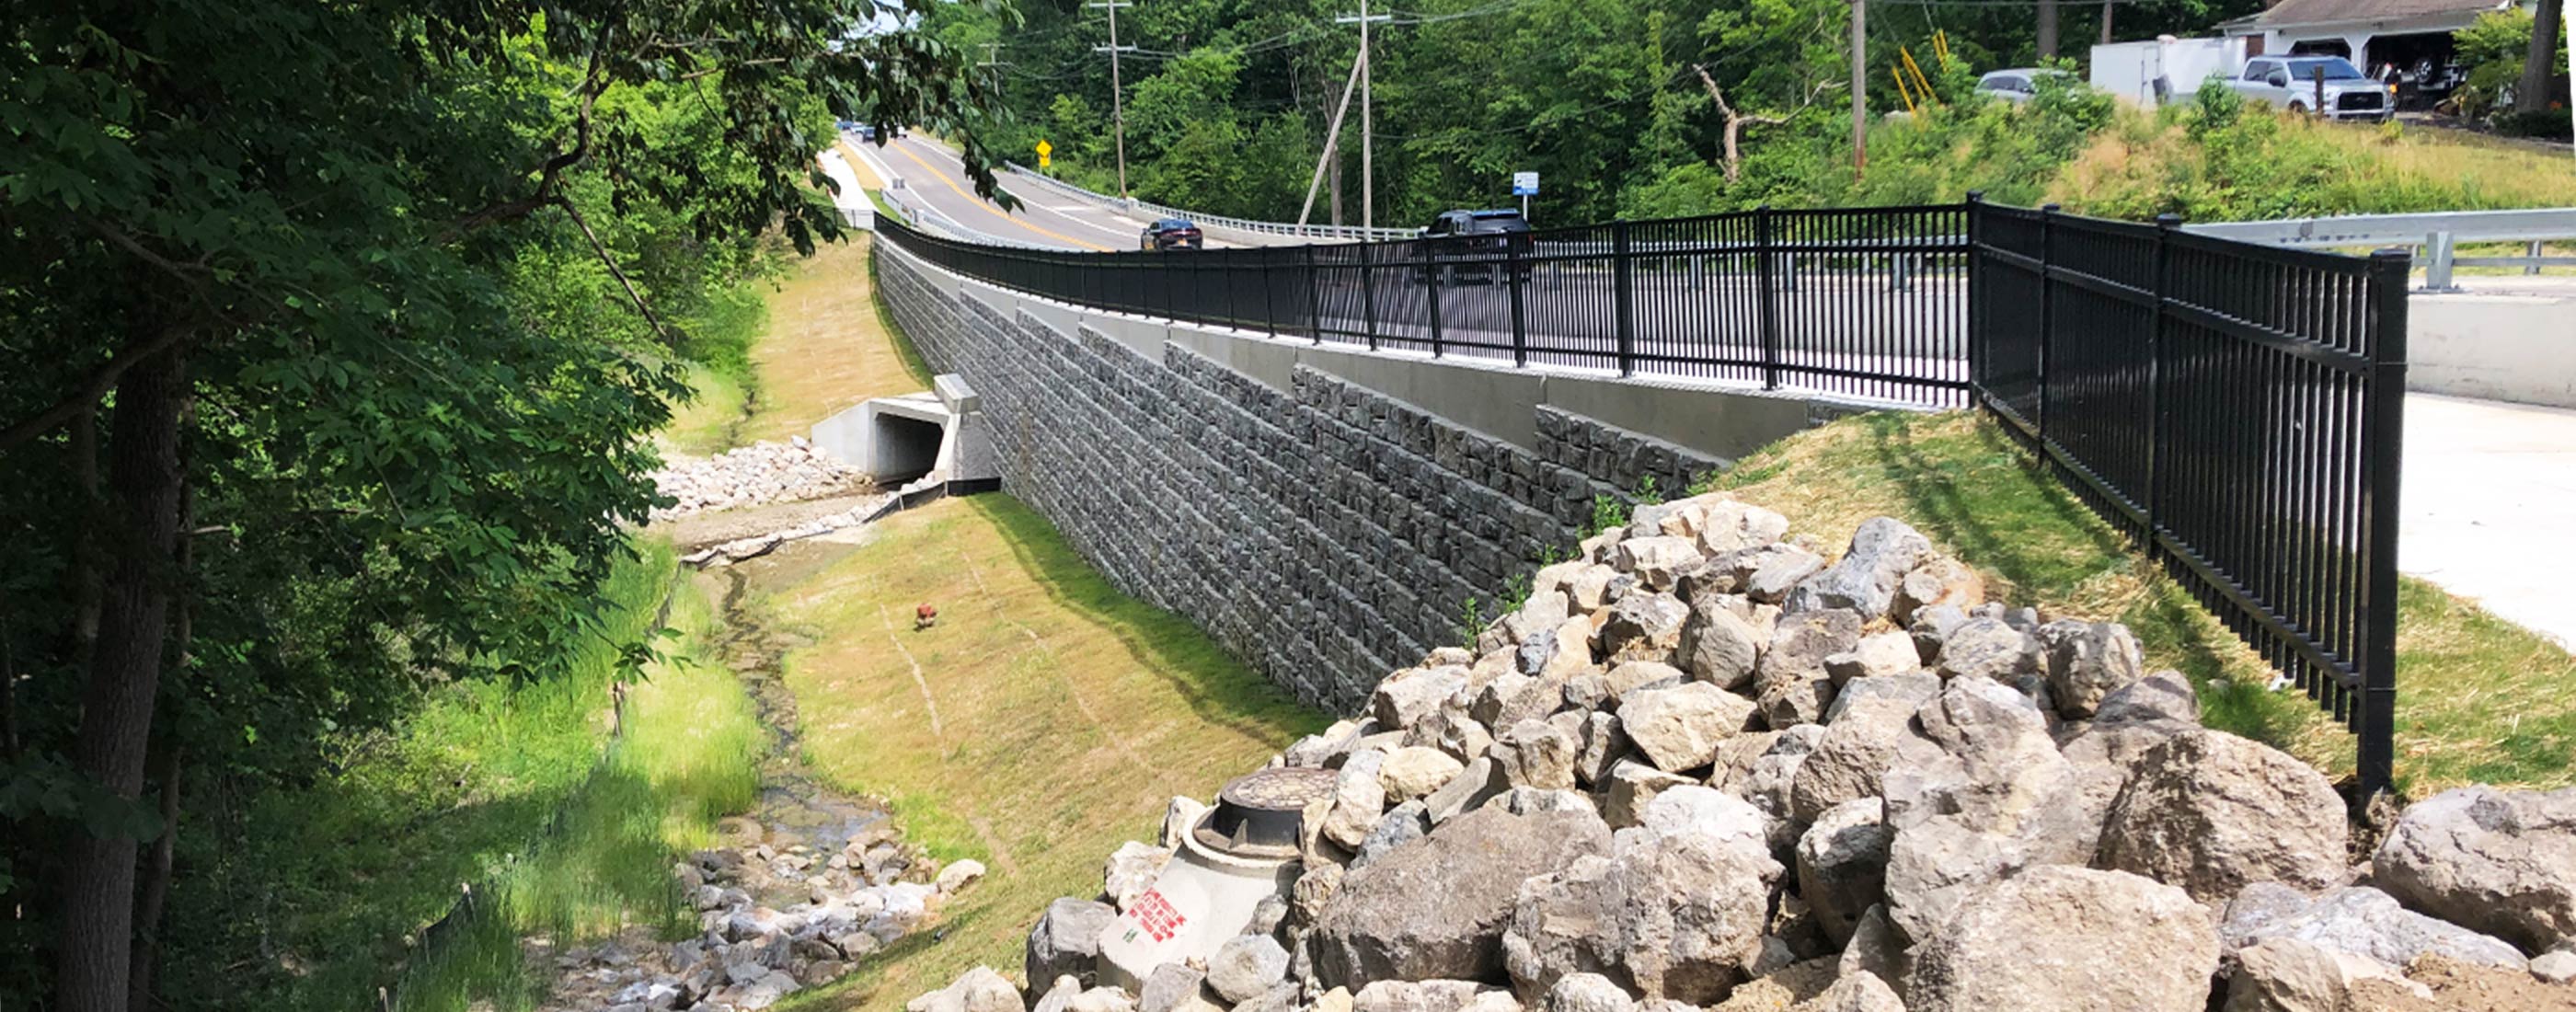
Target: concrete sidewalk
{"points": [[2488, 506]]}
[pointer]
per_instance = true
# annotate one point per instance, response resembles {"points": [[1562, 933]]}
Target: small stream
{"points": [[793, 807]]}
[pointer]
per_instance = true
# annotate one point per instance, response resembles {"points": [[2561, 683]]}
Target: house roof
{"points": [[2313, 12]]}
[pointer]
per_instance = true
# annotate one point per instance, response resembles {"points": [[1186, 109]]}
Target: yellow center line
{"points": [[980, 202]]}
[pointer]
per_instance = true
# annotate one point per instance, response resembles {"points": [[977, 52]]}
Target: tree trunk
{"points": [[2047, 30], [2106, 23], [2541, 63], [156, 888], [141, 532]]}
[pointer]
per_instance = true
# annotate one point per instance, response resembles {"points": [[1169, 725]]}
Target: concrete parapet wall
{"points": [[1324, 514], [2519, 348]]}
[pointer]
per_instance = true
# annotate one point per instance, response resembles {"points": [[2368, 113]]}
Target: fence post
{"points": [[2047, 306], [1431, 292], [2438, 253], [1976, 317], [1520, 328], [2158, 417], [1623, 297], [2383, 450], [1314, 294], [1368, 292], [1768, 309]]}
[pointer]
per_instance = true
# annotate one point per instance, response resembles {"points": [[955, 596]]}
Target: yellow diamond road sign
{"points": [[1046, 153]]}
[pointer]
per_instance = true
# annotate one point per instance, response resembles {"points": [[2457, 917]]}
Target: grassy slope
{"points": [[1066, 715], [2144, 163], [826, 347], [2482, 699]]}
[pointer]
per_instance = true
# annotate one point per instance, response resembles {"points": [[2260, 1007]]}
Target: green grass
{"points": [[2481, 699], [1067, 715], [711, 422], [689, 755], [329, 880]]}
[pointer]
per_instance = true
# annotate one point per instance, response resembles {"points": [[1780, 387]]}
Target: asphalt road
{"points": [[934, 178]]}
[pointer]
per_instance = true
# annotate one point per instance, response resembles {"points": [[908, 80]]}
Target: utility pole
{"points": [[1368, 138], [1860, 87], [1332, 145], [1117, 92], [993, 65]]}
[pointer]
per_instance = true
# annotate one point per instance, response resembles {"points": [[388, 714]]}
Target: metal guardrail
{"points": [[2236, 408], [1346, 233], [2438, 233]]}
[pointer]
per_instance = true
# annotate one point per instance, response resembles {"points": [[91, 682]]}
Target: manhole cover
{"points": [[1259, 815]]}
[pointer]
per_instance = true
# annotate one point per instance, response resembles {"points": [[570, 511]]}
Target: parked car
{"points": [[2291, 82], [1480, 239], [1171, 233], [2016, 85], [868, 132]]}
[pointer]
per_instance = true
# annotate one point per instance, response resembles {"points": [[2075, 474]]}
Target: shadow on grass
{"points": [[1219, 688]]}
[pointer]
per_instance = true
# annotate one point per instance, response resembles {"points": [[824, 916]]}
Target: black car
{"points": [[1468, 245], [1171, 233]]}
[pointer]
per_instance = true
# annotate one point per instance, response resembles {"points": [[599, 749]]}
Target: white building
{"points": [[2371, 33]]}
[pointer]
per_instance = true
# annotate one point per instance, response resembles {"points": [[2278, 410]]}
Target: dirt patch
{"points": [[2463, 987]]}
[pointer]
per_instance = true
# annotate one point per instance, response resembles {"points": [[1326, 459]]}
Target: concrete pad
{"points": [[2488, 506]]}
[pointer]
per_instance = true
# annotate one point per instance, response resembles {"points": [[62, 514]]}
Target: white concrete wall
{"points": [[2519, 348]]}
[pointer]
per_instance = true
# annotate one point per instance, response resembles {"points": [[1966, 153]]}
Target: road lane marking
{"points": [[986, 205]]}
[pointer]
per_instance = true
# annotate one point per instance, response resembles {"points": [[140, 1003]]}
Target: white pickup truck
{"points": [[2294, 83]]}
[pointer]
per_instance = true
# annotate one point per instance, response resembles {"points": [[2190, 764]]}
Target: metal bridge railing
{"points": [[2438, 233], [2237, 408], [1342, 233]]}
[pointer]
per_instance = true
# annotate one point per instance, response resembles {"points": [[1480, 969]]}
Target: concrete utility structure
{"points": [[1241, 852], [914, 441]]}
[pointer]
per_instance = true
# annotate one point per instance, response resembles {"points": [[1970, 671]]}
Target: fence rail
{"points": [[2233, 406], [2438, 233]]}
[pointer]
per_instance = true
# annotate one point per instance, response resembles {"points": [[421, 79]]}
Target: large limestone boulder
{"points": [[1409, 695], [1566, 923], [2288, 975], [1852, 755], [2088, 661], [1677, 909], [1719, 644], [1536, 753], [1359, 798], [1935, 864], [1634, 785], [2056, 939], [1865, 579], [1679, 728], [1066, 941], [1644, 627], [1855, 993], [2213, 813], [1988, 648], [1414, 771], [1247, 966], [1792, 683], [1588, 992], [1437, 907], [2160, 697], [1730, 526], [1130, 870], [2502, 862], [1657, 561], [1842, 865], [1426, 996], [977, 990], [1175, 987], [2355, 919], [1939, 581]]}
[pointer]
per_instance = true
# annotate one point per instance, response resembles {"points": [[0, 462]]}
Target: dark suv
{"points": [[1170, 233], [1467, 245]]}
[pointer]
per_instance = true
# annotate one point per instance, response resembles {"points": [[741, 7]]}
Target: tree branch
{"points": [[642, 306], [100, 381]]}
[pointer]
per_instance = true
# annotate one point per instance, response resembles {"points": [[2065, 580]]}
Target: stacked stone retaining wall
{"points": [[1325, 534]]}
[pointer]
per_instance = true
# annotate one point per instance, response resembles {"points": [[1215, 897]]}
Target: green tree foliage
{"points": [[1229, 101], [332, 334]]}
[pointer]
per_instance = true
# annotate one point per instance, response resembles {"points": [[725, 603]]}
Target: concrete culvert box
{"points": [[1243, 851]]}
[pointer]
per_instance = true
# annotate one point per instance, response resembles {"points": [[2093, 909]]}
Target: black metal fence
{"points": [[2235, 407]]}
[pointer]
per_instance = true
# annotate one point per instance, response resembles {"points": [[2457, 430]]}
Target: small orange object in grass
{"points": [[924, 617]]}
